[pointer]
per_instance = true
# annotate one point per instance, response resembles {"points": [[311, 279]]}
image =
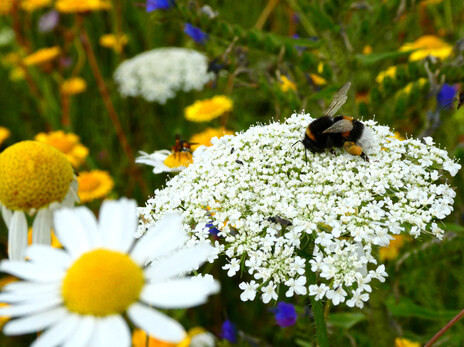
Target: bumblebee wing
{"points": [[338, 100], [342, 126]]}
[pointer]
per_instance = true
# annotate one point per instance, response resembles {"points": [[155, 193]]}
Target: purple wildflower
{"points": [[195, 33], [229, 331], [153, 5], [285, 314], [445, 96]]}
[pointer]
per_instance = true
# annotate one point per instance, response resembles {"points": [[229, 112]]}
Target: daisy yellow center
{"points": [[101, 283], [33, 175], [177, 159]]}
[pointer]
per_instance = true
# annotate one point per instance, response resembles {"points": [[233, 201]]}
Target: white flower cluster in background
{"points": [[157, 75], [339, 206]]}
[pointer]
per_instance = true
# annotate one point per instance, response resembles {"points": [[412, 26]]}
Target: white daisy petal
{"points": [[41, 227], [7, 215], [31, 271], [179, 293], [181, 262], [30, 307], [59, 332], [36, 322], [27, 288], [76, 229], [156, 323], [83, 332], [71, 197], [111, 331], [11, 297], [53, 257], [17, 236], [118, 222]]}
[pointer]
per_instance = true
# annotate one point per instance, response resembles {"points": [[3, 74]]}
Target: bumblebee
{"points": [[328, 131]]}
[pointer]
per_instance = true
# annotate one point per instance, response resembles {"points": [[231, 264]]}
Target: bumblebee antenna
{"points": [[306, 156]]}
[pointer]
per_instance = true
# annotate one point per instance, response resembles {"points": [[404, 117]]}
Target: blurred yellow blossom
{"points": [[285, 84], [73, 6], [114, 42], [204, 138], [206, 110], [399, 136], [73, 85], [402, 342], [6, 6], [66, 143], [54, 241], [95, 184], [317, 80], [428, 45], [32, 5], [4, 134], [391, 252], [420, 82], [367, 49], [390, 72], [17, 74], [42, 56], [140, 339], [320, 67]]}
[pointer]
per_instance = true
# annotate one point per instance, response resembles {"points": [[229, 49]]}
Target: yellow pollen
{"points": [[176, 159], [101, 283], [33, 175]]}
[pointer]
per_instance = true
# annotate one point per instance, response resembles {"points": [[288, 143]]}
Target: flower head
{"points": [[48, 21], [35, 178], [105, 255], [428, 45], [73, 86], [95, 184], [204, 138], [80, 6], [285, 314], [390, 72], [67, 143], [4, 134], [229, 331], [445, 96], [153, 5], [196, 33], [6, 6], [115, 42], [157, 75], [166, 161], [42, 56], [285, 84], [206, 110], [342, 205], [402, 342], [392, 250], [32, 5]]}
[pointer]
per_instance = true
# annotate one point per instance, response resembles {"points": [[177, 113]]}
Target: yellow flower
{"points": [[428, 45], [73, 6], [420, 82], [176, 159], [367, 49], [4, 134], [320, 67], [399, 136], [115, 42], [393, 249], [32, 5], [401, 342], [73, 85], [54, 241], [317, 80], [11, 59], [95, 184], [42, 56], [390, 72], [206, 110], [66, 143], [6, 6], [17, 74], [285, 84], [139, 339], [204, 138]]}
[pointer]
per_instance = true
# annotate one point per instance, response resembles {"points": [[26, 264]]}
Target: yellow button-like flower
{"points": [[391, 252], [204, 138], [73, 6], [4, 134], [73, 85], [66, 143], [390, 72], [114, 42], [206, 110], [32, 5], [42, 56], [286, 84], [95, 184], [402, 342], [428, 45]]}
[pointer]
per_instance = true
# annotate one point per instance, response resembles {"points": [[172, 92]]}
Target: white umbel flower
{"points": [[78, 295], [340, 206], [157, 75]]}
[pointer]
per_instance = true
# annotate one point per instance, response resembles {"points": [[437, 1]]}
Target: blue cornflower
{"points": [[195, 33], [285, 314], [445, 96], [229, 331], [153, 5]]}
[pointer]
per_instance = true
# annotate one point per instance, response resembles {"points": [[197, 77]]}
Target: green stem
{"points": [[318, 313]]}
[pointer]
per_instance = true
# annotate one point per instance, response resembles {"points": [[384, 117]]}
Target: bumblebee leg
{"points": [[306, 157], [365, 157], [332, 151]]}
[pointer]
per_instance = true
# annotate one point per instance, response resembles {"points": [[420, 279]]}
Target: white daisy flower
{"points": [[35, 179], [168, 161], [78, 295]]}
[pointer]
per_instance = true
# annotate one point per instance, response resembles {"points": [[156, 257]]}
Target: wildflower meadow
{"points": [[220, 173]]}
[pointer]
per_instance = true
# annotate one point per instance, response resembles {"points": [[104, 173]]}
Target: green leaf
{"points": [[345, 320], [303, 343], [377, 57], [454, 227], [407, 308]]}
